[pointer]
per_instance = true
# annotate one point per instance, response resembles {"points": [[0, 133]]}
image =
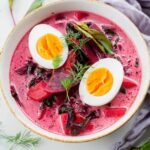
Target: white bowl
{"points": [[66, 5]]}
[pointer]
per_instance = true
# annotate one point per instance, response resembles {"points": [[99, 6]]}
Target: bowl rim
{"points": [[92, 138]]}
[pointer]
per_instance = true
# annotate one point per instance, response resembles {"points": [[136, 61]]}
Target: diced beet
{"points": [[70, 61], [63, 121], [81, 15], [129, 83], [38, 92], [89, 51], [114, 112], [79, 120], [41, 113]]}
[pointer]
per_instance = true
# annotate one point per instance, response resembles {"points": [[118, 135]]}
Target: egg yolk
{"points": [[49, 46], [99, 82]]}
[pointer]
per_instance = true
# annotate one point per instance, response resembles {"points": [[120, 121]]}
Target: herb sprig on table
{"points": [[36, 4], [23, 139]]}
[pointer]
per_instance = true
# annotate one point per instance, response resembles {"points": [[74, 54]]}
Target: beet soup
{"points": [[50, 97]]}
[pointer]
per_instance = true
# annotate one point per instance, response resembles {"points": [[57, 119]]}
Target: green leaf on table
{"points": [[36, 4], [10, 4], [23, 139], [145, 146]]}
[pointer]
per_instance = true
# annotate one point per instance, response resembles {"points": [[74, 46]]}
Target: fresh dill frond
{"points": [[77, 74], [23, 139], [57, 61], [79, 71]]}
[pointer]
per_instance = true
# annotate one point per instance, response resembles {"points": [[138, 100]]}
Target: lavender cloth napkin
{"points": [[139, 12]]}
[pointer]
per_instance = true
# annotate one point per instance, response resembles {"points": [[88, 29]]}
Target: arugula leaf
{"points": [[36, 4], [98, 37], [23, 139], [57, 61]]}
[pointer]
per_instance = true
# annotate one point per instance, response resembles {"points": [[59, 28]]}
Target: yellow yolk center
{"points": [[99, 82], [49, 46]]}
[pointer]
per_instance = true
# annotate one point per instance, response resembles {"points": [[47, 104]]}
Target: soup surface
{"points": [[56, 112]]}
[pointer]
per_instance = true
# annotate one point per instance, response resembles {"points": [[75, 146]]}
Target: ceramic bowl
{"points": [[66, 5]]}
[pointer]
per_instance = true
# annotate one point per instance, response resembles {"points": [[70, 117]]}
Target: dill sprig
{"points": [[77, 74], [78, 71], [23, 139]]}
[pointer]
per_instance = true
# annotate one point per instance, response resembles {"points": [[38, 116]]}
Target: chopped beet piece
{"points": [[81, 15], [63, 120], [38, 92], [114, 112], [70, 61], [129, 83], [91, 53], [41, 113]]}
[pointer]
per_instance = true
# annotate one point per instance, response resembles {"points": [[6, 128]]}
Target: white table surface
{"points": [[11, 125]]}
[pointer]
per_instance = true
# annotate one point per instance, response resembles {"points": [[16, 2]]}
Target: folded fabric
{"points": [[136, 10]]}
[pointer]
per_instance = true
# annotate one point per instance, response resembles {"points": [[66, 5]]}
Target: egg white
{"points": [[116, 69], [37, 32]]}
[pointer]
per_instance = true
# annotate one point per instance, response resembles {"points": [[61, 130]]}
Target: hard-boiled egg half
{"points": [[101, 82], [48, 46]]}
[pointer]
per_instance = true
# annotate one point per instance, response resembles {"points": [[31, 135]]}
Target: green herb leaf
{"points": [[57, 61], [98, 37], [36, 4], [66, 83], [24, 139], [78, 72]]}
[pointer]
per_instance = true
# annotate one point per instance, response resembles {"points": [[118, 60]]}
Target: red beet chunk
{"points": [[90, 52], [70, 61], [114, 112], [81, 15], [129, 83], [79, 119], [64, 118], [38, 92]]}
